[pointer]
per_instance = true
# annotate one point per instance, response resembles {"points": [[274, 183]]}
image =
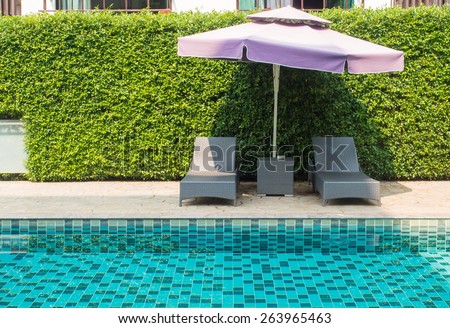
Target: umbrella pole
{"points": [[276, 87]]}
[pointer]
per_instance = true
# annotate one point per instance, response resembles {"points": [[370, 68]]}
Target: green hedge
{"points": [[106, 96], [410, 112]]}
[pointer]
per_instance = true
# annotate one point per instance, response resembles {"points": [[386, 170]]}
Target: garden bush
{"points": [[105, 96]]}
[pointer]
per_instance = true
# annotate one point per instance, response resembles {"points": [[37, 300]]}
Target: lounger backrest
{"points": [[214, 154], [335, 154]]}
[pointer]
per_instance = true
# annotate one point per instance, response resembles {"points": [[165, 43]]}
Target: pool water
{"points": [[225, 263]]}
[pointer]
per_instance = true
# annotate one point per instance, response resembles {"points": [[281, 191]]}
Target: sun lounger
{"points": [[336, 172], [212, 172]]}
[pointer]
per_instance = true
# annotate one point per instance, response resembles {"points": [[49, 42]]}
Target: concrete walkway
{"points": [[22, 199]]}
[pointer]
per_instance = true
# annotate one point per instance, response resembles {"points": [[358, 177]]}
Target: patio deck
{"points": [[26, 200]]}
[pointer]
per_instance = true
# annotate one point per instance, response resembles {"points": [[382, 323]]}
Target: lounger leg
{"points": [[180, 203], [325, 202]]}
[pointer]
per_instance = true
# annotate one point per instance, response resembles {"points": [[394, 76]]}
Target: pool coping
{"points": [[159, 200]]}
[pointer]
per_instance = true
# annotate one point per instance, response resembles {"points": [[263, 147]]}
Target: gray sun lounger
{"points": [[212, 172], [335, 172]]}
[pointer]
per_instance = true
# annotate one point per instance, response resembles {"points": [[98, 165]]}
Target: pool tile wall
{"points": [[326, 236]]}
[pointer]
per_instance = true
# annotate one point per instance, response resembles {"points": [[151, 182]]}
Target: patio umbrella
{"points": [[292, 38]]}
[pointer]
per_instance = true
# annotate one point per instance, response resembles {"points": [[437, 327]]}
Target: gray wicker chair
{"points": [[212, 172], [336, 174]]}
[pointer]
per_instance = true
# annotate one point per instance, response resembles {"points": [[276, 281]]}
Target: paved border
{"points": [[121, 200]]}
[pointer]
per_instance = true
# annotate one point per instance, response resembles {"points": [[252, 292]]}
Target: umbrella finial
{"points": [[288, 15]]}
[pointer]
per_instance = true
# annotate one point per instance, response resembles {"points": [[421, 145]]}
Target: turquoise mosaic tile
{"points": [[236, 236], [225, 263], [224, 280]]}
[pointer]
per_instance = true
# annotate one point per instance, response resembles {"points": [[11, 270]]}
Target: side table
{"points": [[275, 176]]}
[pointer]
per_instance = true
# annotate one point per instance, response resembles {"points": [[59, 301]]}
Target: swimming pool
{"points": [[225, 263]]}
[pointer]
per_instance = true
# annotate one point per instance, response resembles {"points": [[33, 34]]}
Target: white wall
{"points": [[203, 5], [33, 6], [12, 151], [374, 4]]}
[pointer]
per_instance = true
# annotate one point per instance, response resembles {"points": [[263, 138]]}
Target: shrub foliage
{"points": [[106, 96]]}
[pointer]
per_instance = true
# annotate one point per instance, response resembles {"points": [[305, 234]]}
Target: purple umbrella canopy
{"points": [[292, 38]]}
